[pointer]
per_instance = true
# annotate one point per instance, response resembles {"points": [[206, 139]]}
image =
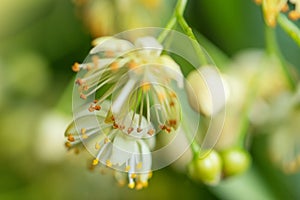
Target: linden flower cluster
{"points": [[271, 9], [128, 98]]}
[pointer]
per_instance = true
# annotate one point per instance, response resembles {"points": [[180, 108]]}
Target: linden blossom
{"points": [[138, 78]]}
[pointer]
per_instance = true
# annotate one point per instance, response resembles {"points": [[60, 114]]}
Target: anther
{"points": [[106, 140], [83, 130], [95, 60], [97, 107], [132, 64], [115, 125], [114, 66], [127, 168], [172, 103], [139, 129], [294, 15], [68, 144], [168, 129], [95, 162], [133, 175], [108, 163], [71, 138], [85, 88], [131, 185], [139, 186], [97, 146], [146, 86], [79, 81], [129, 130], [76, 67], [285, 8], [109, 54], [91, 108], [150, 132], [82, 96]]}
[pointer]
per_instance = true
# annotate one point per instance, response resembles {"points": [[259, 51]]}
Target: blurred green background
{"points": [[39, 42]]}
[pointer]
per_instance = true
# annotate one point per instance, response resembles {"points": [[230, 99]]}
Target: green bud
{"points": [[235, 161], [207, 169]]}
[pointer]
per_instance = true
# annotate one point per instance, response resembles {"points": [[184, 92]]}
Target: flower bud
{"points": [[207, 169], [206, 90], [235, 161]]}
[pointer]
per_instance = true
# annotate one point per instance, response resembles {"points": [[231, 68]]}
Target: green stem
{"points": [[290, 28], [178, 17], [194, 145], [179, 8], [273, 49], [187, 29]]}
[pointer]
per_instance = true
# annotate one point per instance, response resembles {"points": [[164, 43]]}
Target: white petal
{"points": [[149, 43], [123, 149], [111, 44]]}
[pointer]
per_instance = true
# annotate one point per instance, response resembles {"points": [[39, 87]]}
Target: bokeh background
{"points": [[39, 42]]}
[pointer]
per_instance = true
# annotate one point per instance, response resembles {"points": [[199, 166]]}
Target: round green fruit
{"points": [[207, 169], [235, 161]]}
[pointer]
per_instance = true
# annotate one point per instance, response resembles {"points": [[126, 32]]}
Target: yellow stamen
{"points": [[133, 175], [139, 165], [161, 96], [106, 140], [97, 146], [83, 131], [108, 163], [146, 86], [114, 66], [139, 186], [132, 65], [127, 168], [131, 185], [84, 136], [95, 162]]}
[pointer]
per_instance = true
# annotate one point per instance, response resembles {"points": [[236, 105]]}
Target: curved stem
{"points": [[290, 28], [179, 8], [187, 29], [194, 145]]}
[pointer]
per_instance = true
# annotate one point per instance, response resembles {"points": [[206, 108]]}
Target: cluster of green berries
{"points": [[214, 166]]}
